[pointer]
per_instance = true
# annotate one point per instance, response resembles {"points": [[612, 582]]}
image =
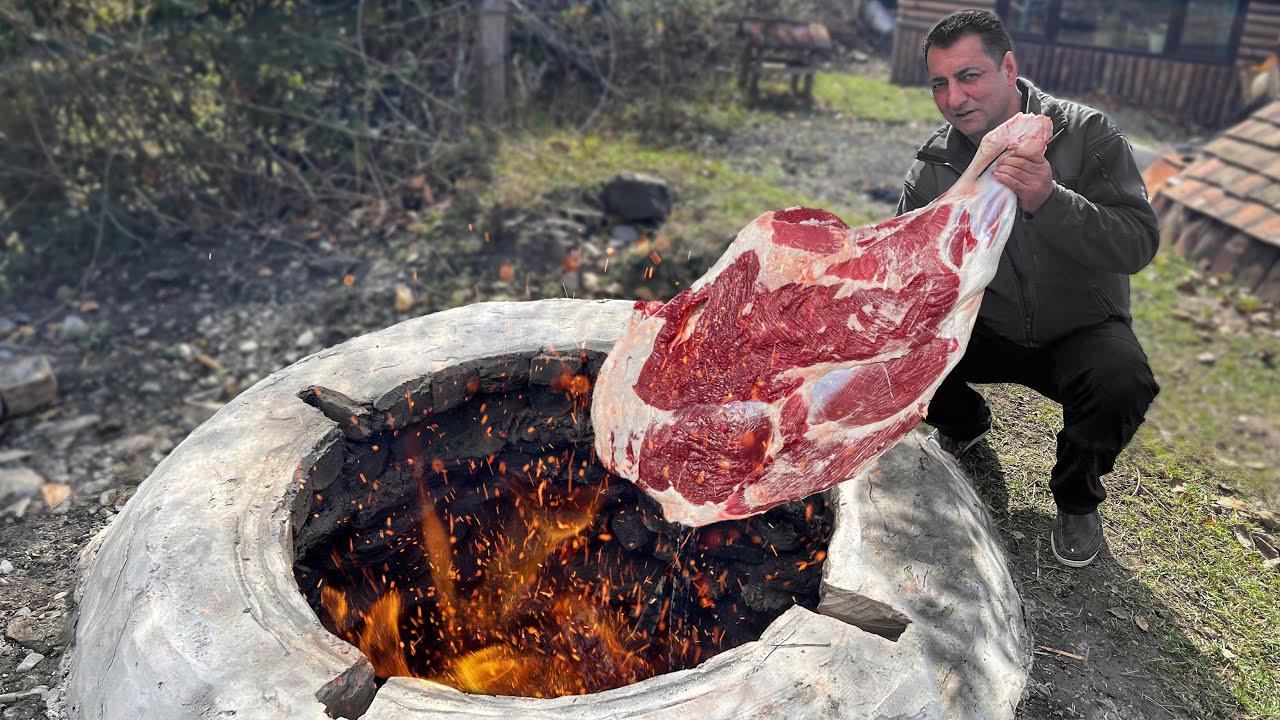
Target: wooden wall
{"points": [[1261, 34], [1206, 94]]}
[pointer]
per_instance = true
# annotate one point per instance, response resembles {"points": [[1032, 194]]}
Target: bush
{"points": [[133, 122]]}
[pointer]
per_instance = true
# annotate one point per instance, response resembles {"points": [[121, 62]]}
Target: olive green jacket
{"points": [[1066, 266]]}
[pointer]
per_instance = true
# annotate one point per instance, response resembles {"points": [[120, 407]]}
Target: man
{"points": [[1056, 316]]}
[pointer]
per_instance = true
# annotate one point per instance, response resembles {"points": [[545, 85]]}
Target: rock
{"points": [[150, 387], [6, 567], [29, 662], [637, 198], [35, 692], [623, 235], [73, 327], [248, 346], [306, 339], [10, 456], [18, 483], [26, 384], [1206, 358], [37, 632]]}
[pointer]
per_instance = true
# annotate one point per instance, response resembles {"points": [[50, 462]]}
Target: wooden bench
{"points": [[777, 46]]}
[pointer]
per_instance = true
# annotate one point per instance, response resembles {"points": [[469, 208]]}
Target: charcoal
{"points": [[779, 536], [549, 367], [503, 374], [474, 457], [628, 527]]}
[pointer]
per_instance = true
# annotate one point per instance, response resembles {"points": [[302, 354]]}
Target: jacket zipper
{"points": [[1102, 168]]}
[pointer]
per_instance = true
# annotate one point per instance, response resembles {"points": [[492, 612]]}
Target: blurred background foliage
{"points": [[132, 122]]}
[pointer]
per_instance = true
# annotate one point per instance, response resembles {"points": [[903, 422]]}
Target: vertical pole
{"points": [[495, 23]]}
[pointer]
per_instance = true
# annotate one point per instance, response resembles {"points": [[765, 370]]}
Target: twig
{"points": [[102, 214], [1048, 650]]}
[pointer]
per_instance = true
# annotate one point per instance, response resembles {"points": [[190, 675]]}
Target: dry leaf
{"points": [[1142, 624], [404, 298], [89, 306], [1268, 547], [507, 271], [1231, 503], [55, 494]]}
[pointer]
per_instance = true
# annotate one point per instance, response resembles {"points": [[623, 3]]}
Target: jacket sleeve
{"points": [[918, 189], [1108, 225]]}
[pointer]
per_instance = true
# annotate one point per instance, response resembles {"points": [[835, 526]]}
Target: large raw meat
{"points": [[805, 352]]}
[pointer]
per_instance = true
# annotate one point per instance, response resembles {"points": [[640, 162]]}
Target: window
{"points": [[1207, 30], [1188, 29]]}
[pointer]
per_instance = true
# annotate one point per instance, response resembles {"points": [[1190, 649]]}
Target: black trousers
{"points": [[1100, 376]]}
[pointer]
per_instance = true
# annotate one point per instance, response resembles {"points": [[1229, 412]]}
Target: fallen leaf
{"points": [[1142, 623], [1268, 547], [89, 306], [1231, 503], [1242, 535], [507, 271], [1119, 613], [404, 298], [55, 494]]}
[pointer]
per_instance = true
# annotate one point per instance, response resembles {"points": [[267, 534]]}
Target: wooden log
{"points": [[492, 50], [26, 384]]}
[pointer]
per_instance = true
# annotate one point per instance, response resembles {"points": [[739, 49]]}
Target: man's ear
{"points": [[1009, 67]]}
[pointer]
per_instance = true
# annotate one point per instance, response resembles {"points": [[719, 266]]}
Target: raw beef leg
{"points": [[807, 350]]}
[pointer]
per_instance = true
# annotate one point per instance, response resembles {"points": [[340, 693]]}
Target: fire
{"points": [[537, 573], [517, 624]]}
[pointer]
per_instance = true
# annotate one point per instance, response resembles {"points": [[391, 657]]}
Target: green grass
{"points": [[1200, 404], [1209, 602], [551, 169], [872, 98]]}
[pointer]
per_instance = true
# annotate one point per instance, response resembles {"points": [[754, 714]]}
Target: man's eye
{"points": [[968, 77]]}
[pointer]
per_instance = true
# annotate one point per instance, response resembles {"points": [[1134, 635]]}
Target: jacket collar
{"points": [[950, 146]]}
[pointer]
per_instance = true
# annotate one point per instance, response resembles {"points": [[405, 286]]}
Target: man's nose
{"points": [[956, 96]]}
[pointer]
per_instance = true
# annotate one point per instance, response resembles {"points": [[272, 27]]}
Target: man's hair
{"points": [[988, 28]]}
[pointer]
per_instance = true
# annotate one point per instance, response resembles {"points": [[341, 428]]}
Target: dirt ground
{"points": [[149, 345]]}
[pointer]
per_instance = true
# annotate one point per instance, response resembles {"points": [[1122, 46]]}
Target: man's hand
{"points": [[1025, 171]]}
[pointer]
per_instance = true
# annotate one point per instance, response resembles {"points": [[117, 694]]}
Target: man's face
{"points": [[972, 92]]}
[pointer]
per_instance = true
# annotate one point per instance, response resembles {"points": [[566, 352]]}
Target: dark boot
{"points": [[1076, 539]]}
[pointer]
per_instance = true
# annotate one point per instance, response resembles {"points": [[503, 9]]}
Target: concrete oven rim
{"points": [[245, 640]]}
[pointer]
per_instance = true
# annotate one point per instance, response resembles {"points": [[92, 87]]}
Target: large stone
{"points": [[39, 631], [18, 483], [637, 198], [26, 384]]}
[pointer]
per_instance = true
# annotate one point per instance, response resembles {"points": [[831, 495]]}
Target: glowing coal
{"points": [[478, 549]]}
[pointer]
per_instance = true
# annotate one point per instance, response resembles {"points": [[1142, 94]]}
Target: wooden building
{"points": [[1221, 209], [1183, 57]]}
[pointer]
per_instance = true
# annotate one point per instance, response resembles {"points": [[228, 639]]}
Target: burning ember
{"points": [[529, 570]]}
